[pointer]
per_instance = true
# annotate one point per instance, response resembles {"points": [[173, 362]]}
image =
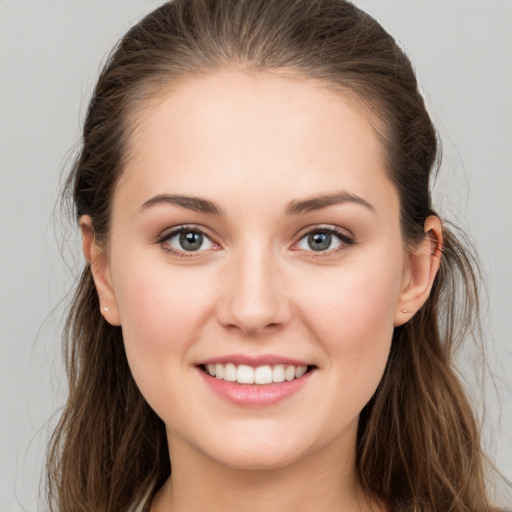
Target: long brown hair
{"points": [[418, 442]]}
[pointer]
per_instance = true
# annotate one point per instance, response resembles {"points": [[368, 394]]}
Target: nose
{"points": [[253, 296]]}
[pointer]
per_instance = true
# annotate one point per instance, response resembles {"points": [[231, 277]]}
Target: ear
{"points": [[422, 264], [97, 258]]}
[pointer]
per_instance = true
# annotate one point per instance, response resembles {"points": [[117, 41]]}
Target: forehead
{"points": [[251, 131]]}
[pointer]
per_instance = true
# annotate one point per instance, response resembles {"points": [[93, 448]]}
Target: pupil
{"points": [[191, 241], [319, 241]]}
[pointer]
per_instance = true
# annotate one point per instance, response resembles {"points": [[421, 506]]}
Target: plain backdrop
{"points": [[50, 55]]}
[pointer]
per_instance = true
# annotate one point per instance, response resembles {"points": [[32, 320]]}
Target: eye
{"points": [[186, 239], [323, 240]]}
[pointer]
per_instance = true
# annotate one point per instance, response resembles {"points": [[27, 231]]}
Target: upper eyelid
{"points": [[336, 230], [172, 231]]}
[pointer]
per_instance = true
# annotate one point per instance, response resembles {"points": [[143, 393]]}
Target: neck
{"points": [[324, 482]]}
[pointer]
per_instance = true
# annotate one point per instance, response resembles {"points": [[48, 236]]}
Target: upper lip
{"points": [[255, 361]]}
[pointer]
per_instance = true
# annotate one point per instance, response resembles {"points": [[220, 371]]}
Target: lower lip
{"points": [[255, 395]]}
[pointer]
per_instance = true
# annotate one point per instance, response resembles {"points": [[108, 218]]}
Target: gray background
{"points": [[50, 52]]}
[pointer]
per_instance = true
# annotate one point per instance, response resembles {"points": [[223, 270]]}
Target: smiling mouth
{"points": [[261, 375]]}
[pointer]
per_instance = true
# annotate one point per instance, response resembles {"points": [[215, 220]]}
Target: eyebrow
{"points": [[319, 202], [192, 203], [293, 208]]}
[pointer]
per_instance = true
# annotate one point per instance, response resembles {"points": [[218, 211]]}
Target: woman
{"points": [[269, 305]]}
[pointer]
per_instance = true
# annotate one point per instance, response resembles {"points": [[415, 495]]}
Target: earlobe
{"points": [[421, 269], [97, 259]]}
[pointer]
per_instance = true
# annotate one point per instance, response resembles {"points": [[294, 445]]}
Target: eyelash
{"points": [[344, 239], [163, 241]]}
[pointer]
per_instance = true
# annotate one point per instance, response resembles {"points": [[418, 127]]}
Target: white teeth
{"points": [[244, 374], [300, 371], [263, 375], [230, 372], [278, 373], [289, 373], [219, 371]]}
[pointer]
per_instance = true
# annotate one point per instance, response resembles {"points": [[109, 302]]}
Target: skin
{"points": [[253, 145]]}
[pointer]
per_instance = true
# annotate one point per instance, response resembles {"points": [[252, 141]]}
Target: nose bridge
{"points": [[253, 296]]}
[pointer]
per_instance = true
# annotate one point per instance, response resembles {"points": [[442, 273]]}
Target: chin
{"points": [[262, 451], [253, 460]]}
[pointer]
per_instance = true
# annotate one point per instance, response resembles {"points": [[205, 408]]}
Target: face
{"points": [[256, 266]]}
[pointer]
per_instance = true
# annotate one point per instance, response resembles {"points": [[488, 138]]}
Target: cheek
{"points": [[352, 317], [355, 301], [162, 310]]}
